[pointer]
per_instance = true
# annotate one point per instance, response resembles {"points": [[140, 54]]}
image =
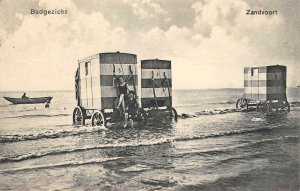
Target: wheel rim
{"points": [[97, 119], [174, 114], [78, 117]]}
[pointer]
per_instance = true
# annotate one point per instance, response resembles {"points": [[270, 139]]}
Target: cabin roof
{"points": [[147, 60], [88, 58], [268, 66]]}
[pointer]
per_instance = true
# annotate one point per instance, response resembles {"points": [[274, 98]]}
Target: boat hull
{"points": [[37, 100]]}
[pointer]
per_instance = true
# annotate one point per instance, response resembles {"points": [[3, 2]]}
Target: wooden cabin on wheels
{"points": [[265, 89], [97, 92], [96, 86], [156, 87]]}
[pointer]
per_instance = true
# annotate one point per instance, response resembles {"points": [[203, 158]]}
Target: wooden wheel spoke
{"points": [[98, 119], [78, 116]]}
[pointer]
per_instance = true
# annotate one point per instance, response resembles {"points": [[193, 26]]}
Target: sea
{"points": [[212, 146]]}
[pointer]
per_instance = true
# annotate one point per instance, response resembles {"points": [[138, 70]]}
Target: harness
{"points": [[165, 84], [130, 77]]}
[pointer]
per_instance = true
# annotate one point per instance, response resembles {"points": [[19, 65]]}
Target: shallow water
{"points": [[204, 150]]}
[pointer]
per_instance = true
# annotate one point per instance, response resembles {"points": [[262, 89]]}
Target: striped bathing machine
{"points": [[264, 88], [96, 84], [156, 85]]}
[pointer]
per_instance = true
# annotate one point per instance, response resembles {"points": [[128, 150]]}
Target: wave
{"points": [[137, 143], [224, 102], [53, 134], [217, 150], [226, 133], [87, 129], [64, 164], [209, 112], [86, 148], [39, 115], [206, 103]]}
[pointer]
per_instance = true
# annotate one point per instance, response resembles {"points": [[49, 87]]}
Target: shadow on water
{"points": [[276, 117]]}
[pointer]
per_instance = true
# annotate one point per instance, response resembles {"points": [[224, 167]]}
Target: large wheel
{"points": [[263, 107], [78, 116], [98, 119], [173, 113], [142, 117], [241, 104]]}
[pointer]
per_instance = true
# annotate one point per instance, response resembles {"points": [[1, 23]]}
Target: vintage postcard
{"points": [[149, 95]]}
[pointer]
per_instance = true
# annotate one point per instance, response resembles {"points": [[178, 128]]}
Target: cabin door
{"points": [[254, 83]]}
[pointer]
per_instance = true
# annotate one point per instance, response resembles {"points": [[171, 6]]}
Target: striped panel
{"points": [[158, 73], [148, 83], [124, 58], [276, 96], [110, 91], [255, 90], [107, 80], [108, 102], [89, 58], [262, 69], [96, 80], [264, 96], [255, 83], [156, 64], [161, 101], [264, 90], [91, 93], [247, 70], [82, 71], [274, 90], [279, 76], [83, 93], [95, 67], [159, 92], [107, 69], [276, 68], [268, 83], [260, 76], [263, 83], [247, 76]]}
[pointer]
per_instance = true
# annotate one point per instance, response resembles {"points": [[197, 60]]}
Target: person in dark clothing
{"points": [[132, 107], [24, 96], [123, 92], [47, 104]]}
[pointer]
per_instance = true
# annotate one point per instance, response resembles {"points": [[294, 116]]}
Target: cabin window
{"points": [[254, 71], [87, 68]]}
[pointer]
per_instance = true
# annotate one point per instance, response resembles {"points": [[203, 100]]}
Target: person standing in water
{"points": [[131, 109], [47, 104]]}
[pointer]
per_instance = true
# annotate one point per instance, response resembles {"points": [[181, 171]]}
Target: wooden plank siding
{"points": [[265, 83], [97, 90]]}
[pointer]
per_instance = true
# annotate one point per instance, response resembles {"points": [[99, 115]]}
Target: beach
{"points": [[211, 147]]}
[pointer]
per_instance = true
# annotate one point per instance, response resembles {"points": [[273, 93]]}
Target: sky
{"points": [[208, 41]]}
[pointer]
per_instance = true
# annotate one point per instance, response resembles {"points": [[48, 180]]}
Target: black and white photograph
{"points": [[145, 95]]}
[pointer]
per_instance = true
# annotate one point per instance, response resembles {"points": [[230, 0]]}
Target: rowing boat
{"points": [[35, 100]]}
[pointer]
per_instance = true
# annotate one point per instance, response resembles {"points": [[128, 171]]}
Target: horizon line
{"points": [[172, 89]]}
